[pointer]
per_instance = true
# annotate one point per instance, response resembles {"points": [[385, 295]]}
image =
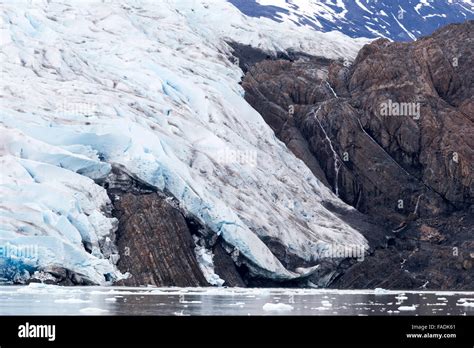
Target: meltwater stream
{"points": [[39, 299]]}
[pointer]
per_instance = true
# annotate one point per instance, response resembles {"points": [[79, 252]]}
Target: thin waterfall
{"points": [[337, 163]]}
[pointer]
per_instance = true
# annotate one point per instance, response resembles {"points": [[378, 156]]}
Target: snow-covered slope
{"points": [[151, 88], [401, 20]]}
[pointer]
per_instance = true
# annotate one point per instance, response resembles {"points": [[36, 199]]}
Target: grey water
{"points": [[39, 299]]}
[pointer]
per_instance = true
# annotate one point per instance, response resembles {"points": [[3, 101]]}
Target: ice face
{"points": [[47, 215], [151, 88]]}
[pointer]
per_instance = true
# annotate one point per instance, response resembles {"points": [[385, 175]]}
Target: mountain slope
{"points": [[399, 20], [411, 168]]}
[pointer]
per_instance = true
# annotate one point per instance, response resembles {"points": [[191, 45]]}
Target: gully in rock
{"points": [[337, 163]]}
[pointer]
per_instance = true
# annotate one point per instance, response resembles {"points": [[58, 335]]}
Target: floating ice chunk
{"points": [[240, 304], [466, 302], [401, 297], [326, 304], [280, 307], [93, 311], [39, 288], [380, 291], [407, 308]]}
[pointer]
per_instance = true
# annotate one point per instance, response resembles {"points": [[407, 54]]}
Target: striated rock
{"points": [[155, 244], [226, 268], [394, 165], [392, 135], [433, 73], [154, 238], [413, 262]]}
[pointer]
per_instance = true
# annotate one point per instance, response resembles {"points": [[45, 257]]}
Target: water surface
{"points": [[39, 299]]}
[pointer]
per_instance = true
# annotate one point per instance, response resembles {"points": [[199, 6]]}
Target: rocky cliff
{"points": [[392, 134], [157, 242]]}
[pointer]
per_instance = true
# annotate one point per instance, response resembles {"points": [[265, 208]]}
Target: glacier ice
{"points": [[206, 263], [151, 88]]}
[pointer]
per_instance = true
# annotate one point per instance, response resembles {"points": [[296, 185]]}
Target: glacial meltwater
{"points": [[39, 299]]}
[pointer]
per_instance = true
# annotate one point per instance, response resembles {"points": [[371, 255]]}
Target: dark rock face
{"points": [[226, 268], [417, 160], [155, 244], [435, 253], [55, 276], [393, 136], [155, 240], [435, 72]]}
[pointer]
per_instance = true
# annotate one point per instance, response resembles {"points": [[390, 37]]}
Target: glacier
{"points": [[154, 89]]}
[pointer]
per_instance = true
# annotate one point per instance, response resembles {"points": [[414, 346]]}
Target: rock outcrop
{"points": [[155, 243], [332, 117], [392, 135], [155, 238]]}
